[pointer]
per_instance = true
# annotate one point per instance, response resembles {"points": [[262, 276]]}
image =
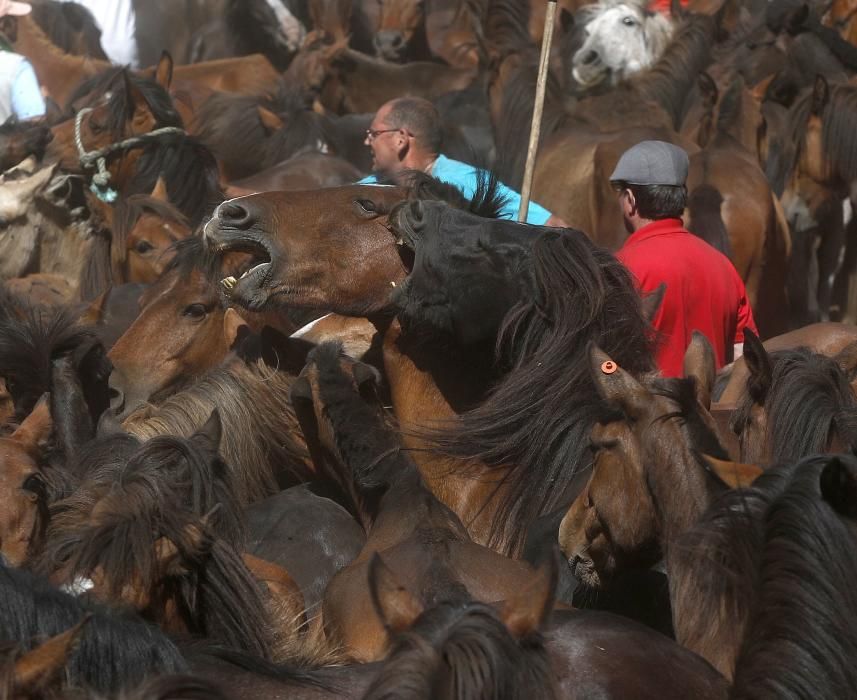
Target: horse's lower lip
{"points": [[583, 82]]}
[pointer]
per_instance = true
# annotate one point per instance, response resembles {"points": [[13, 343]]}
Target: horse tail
{"points": [[706, 218]]}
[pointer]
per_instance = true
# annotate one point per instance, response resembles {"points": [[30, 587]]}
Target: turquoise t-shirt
{"points": [[463, 176]]}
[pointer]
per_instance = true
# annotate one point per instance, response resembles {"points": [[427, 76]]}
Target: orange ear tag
{"points": [[608, 367]]}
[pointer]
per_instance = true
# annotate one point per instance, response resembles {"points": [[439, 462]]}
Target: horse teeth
{"points": [[399, 241], [393, 285], [229, 283]]}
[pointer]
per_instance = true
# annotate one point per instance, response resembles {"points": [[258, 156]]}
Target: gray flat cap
{"points": [[652, 163]]}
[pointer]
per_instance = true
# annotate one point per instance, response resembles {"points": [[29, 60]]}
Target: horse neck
{"points": [[58, 71], [681, 489], [418, 401]]}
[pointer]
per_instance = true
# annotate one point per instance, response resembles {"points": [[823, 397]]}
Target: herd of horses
{"points": [[268, 433]]}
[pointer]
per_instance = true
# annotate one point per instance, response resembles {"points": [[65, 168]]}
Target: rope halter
{"points": [[98, 158]]}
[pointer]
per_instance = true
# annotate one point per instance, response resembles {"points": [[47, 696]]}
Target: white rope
{"points": [[98, 158]]}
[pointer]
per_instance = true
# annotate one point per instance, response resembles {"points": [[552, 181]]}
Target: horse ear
{"points": [[159, 191], [232, 325], [795, 19], [36, 669], [93, 313], [838, 484], [210, 434], [281, 586], [526, 611], [614, 383], [700, 363], [164, 70], [820, 94], [36, 427], [759, 364], [286, 353], [301, 390], [760, 89], [394, 604], [652, 302], [734, 474], [847, 360], [269, 120], [367, 377]]}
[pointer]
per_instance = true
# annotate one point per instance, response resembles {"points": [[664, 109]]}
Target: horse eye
{"points": [[35, 484], [143, 247], [195, 311], [95, 127], [629, 21], [367, 205]]}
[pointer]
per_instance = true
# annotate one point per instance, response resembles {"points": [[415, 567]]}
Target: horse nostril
{"points": [[389, 40], [235, 215], [397, 41], [589, 58]]}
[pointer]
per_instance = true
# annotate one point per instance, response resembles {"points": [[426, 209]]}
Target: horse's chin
{"points": [[591, 80]]}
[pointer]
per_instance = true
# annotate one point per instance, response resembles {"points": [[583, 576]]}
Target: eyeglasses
{"points": [[372, 134]]}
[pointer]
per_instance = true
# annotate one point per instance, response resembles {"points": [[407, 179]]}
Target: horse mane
{"points": [[506, 27], [771, 569], [705, 218], [116, 650], [457, 650], [256, 26], [189, 171], [513, 132], [62, 22], [669, 80], [809, 400], [534, 424], [163, 489], [487, 200], [230, 126], [27, 340], [839, 142], [259, 424]]}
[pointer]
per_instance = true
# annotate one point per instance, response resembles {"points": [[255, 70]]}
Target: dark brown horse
{"points": [[420, 538]]}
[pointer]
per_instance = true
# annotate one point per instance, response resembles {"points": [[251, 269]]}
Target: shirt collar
{"points": [[656, 228]]}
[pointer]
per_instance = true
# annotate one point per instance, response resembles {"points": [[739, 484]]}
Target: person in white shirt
{"points": [[118, 24], [20, 95]]}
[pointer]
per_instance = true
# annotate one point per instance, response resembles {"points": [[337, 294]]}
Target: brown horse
{"points": [[652, 443], [150, 364], [401, 33], [795, 403], [420, 538], [23, 515]]}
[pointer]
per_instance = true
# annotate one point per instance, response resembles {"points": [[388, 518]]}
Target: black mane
{"points": [[808, 402], [777, 562], [535, 423], [462, 650], [116, 650], [487, 200]]}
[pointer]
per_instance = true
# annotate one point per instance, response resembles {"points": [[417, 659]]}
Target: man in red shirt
{"points": [[703, 290]]}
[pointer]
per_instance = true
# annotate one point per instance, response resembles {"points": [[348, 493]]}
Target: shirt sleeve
{"points": [[745, 316], [368, 180], [536, 213], [27, 100]]}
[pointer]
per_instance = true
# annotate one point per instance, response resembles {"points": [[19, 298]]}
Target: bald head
{"points": [[420, 118]]}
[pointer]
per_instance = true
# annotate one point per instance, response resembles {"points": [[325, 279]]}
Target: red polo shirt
{"points": [[704, 291]]}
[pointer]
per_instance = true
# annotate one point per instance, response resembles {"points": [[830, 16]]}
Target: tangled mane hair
{"points": [[114, 82], [230, 125], [534, 424], [164, 489], [838, 139], [128, 211], [66, 24], [462, 650], [261, 437], [116, 650], [189, 171], [28, 338], [807, 400], [487, 200], [192, 255], [765, 582]]}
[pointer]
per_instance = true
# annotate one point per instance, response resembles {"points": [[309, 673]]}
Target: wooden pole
{"points": [[538, 108]]}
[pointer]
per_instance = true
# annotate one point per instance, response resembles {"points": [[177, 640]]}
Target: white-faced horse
{"points": [[621, 38]]}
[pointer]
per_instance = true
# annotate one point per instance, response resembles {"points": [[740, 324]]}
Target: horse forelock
{"points": [[764, 561], [464, 651]]}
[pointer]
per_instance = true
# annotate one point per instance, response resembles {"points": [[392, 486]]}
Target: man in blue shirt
{"points": [[406, 135]]}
